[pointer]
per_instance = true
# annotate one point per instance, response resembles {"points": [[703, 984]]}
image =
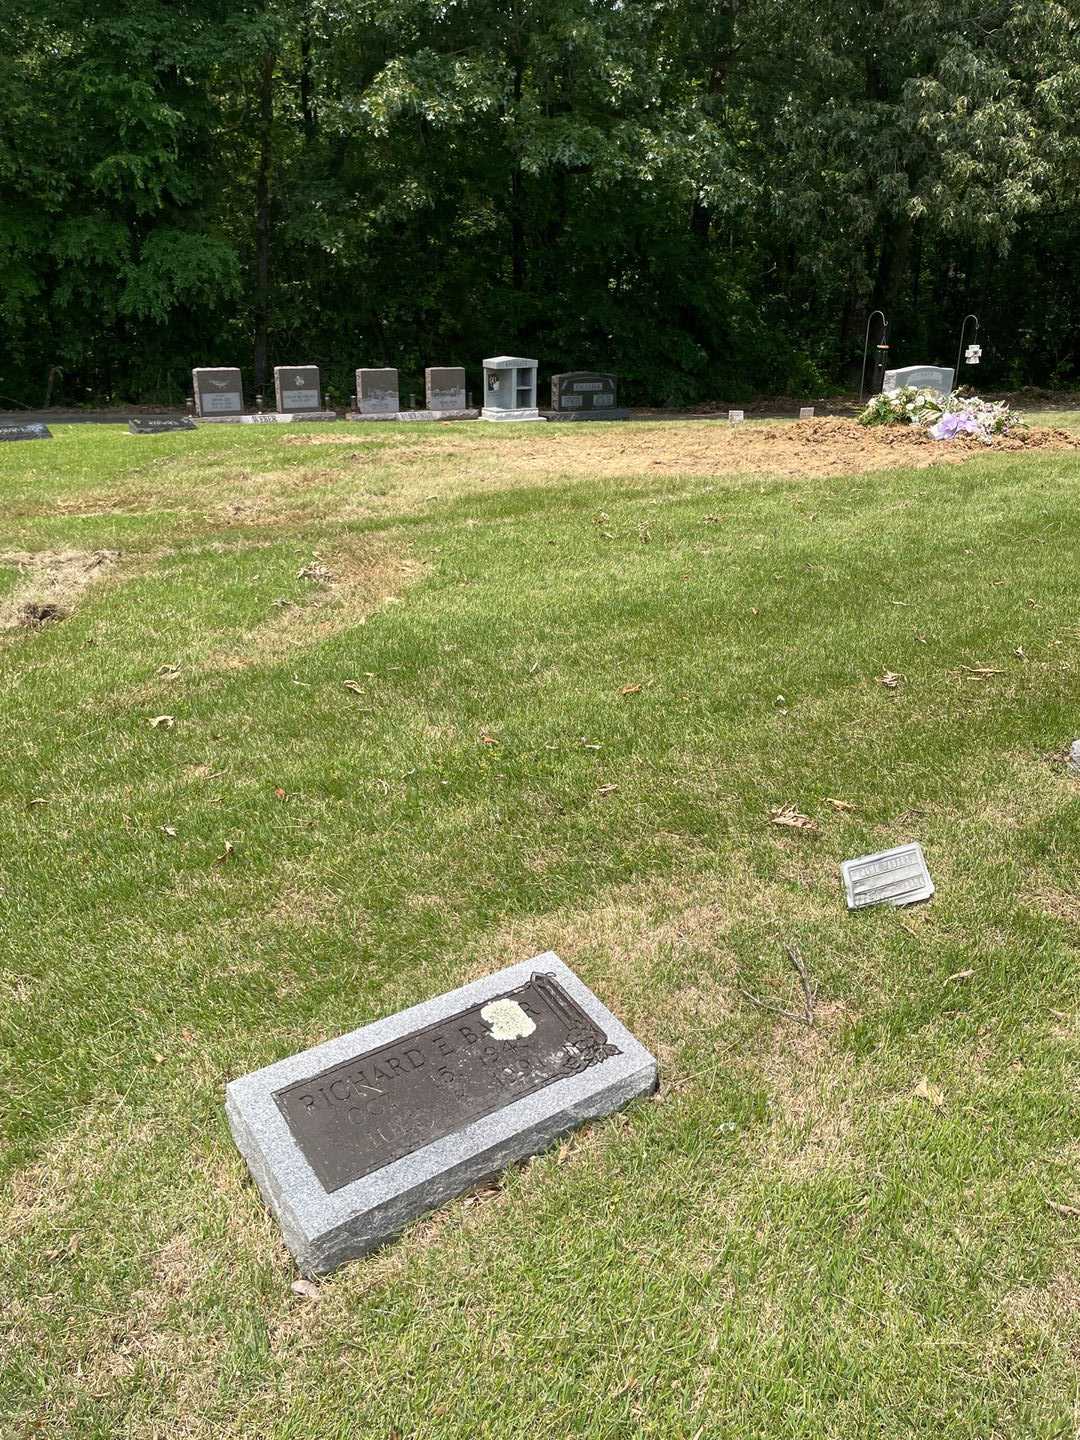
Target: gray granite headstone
{"points": [[586, 395], [296, 388], [923, 377], [377, 392], [217, 391], [352, 1139], [1074, 757], [444, 388], [25, 432]]}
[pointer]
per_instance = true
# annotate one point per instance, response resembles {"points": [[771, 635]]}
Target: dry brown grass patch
{"points": [[301, 903], [820, 448], [1053, 1308], [354, 580], [1060, 904], [811, 1085], [52, 582], [627, 945]]}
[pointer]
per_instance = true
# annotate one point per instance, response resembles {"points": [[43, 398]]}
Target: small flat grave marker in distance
{"points": [[25, 432], [352, 1139], [153, 425], [891, 877]]}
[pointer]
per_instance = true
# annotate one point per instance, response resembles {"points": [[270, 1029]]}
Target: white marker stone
{"points": [[891, 877]]}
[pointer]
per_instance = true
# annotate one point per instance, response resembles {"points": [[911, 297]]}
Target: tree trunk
{"points": [[262, 221], [894, 259]]}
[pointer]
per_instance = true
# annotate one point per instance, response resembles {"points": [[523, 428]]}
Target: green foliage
{"points": [[708, 199]]}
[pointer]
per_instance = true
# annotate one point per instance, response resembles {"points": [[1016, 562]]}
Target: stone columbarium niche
{"points": [[509, 388]]}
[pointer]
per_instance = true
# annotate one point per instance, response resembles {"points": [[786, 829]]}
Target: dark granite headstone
{"points": [[25, 432], [152, 425], [377, 392], [296, 388], [217, 392], [445, 388], [586, 395]]}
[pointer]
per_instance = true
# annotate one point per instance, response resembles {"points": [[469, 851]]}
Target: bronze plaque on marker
{"points": [[367, 1112]]}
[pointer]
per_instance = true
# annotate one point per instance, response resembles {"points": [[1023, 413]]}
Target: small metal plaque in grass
{"points": [[892, 877]]}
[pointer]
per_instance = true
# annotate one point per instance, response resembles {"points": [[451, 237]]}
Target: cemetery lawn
{"points": [[353, 717]]}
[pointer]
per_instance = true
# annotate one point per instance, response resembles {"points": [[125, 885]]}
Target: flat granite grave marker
{"points": [[217, 391], [33, 431], [923, 377], [586, 395], [891, 877], [152, 425], [352, 1139], [377, 392]]}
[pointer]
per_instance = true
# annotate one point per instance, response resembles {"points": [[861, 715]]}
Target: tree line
{"points": [[707, 196]]}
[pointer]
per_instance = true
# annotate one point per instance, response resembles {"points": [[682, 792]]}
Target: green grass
{"points": [[788, 1241]]}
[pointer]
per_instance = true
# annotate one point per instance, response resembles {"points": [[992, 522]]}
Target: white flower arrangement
{"points": [[942, 416]]}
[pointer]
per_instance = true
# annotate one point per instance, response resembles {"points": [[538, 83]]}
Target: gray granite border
{"points": [[391, 415], [561, 416], [324, 1229]]}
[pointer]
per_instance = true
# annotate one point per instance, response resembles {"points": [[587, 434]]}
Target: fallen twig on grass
{"points": [[809, 990]]}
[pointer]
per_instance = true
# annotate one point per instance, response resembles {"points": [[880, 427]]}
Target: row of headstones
{"points": [[509, 393]]}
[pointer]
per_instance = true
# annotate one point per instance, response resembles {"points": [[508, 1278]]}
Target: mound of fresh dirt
{"points": [[825, 446]]}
